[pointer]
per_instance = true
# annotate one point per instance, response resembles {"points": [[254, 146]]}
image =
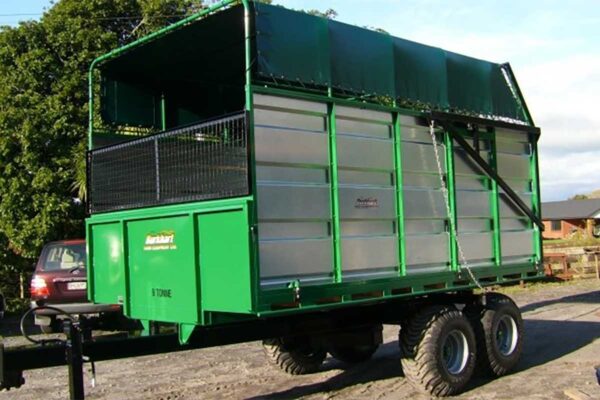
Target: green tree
{"points": [[579, 197], [43, 114]]}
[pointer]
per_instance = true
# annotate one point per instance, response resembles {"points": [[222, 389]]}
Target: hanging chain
{"points": [[461, 255]]}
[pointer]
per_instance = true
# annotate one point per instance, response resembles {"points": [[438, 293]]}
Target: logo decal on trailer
{"points": [[160, 241], [367, 202]]}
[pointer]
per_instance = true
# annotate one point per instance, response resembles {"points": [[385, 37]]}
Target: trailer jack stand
{"points": [[74, 358]]}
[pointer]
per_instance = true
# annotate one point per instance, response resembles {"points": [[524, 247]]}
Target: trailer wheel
{"points": [[353, 354], [296, 355], [499, 332], [438, 350]]}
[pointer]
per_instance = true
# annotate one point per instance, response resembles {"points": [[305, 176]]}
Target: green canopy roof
{"points": [[295, 47]]}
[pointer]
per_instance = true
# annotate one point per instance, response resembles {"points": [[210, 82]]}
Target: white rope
{"points": [[461, 255]]}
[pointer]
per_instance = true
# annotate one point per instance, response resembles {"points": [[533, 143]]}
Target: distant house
{"points": [[563, 218]]}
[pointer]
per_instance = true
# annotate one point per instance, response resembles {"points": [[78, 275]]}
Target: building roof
{"points": [[570, 209]]}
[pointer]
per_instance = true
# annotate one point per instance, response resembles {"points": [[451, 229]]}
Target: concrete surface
{"points": [[562, 325]]}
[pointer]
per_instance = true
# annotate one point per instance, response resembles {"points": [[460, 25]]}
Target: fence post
{"points": [[157, 165]]}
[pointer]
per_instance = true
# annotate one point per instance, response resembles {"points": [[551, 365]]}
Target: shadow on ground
{"points": [[384, 365], [587, 298]]}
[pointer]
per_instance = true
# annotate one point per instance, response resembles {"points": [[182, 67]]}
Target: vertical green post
{"points": [[536, 198], [125, 255], [163, 112], [253, 213], [496, 204], [248, 55], [397, 131], [335, 204], [450, 184], [91, 106]]}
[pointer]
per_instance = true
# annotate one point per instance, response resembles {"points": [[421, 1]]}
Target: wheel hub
{"points": [[507, 335], [455, 352]]}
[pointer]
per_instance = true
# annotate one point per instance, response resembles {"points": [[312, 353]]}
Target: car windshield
{"points": [[64, 256]]}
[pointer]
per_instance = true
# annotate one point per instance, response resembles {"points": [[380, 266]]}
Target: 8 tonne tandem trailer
{"points": [[260, 173]]}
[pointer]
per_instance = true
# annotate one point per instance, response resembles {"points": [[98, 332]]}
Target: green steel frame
{"points": [[452, 218], [397, 131], [496, 206], [337, 293]]}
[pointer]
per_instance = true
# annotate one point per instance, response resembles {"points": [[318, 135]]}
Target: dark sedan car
{"points": [[60, 280]]}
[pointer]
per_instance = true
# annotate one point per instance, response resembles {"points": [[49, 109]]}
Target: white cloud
{"points": [[563, 98]]}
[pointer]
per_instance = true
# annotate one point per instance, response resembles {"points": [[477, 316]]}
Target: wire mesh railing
{"points": [[198, 162]]}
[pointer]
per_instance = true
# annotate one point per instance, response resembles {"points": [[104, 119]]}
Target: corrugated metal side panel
{"points": [[425, 217], [294, 205], [366, 171], [517, 237], [474, 205]]}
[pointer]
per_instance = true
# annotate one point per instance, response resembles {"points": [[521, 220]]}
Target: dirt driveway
{"points": [[562, 324]]}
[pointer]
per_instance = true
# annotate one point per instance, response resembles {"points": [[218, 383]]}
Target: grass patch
{"points": [[577, 240]]}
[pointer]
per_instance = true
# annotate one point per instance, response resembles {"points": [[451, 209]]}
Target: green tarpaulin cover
{"points": [[199, 69], [296, 47]]}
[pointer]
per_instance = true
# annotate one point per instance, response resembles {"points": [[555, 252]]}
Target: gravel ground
{"points": [[562, 325]]}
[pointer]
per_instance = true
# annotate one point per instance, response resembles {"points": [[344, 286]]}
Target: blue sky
{"points": [[553, 46]]}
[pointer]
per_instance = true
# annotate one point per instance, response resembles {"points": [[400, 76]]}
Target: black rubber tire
{"points": [[296, 356], [353, 354], [485, 320], [421, 346]]}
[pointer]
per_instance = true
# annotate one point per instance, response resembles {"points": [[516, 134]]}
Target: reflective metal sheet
{"points": [[367, 203], [421, 180], [477, 246], [474, 225], [356, 152], [294, 258], [420, 157], [289, 120], [517, 243], [424, 204], [367, 228], [369, 253], [278, 173], [427, 249], [424, 226], [363, 114], [473, 204], [293, 202], [348, 177], [279, 102], [293, 230], [513, 166], [509, 210], [361, 128], [292, 147]]}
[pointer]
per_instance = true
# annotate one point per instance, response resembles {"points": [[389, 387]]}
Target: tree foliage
{"points": [[43, 115], [579, 197]]}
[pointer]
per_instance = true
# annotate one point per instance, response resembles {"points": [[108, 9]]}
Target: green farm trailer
{"points": [[261, 173]]}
